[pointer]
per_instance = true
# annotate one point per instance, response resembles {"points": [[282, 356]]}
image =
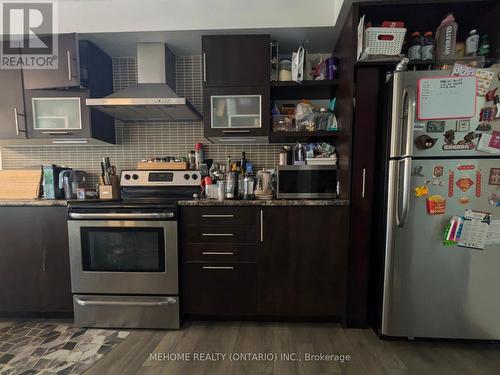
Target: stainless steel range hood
{"points": [[152, 98]]}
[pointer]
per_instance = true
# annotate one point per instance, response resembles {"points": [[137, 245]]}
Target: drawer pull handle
{"points": [[218, 267], [218, 252], [217, 234], [217, 215]]}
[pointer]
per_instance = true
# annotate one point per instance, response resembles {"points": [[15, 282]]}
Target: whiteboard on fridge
{"points": [[441, 98]]}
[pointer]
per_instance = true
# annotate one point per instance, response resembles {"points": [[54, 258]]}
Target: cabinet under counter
{"points": [[290, 264]]}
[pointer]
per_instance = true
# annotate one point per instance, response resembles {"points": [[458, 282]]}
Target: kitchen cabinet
{"points": [[240, 113], [67, 73], [291, 262], [62, 116], [302, 267], [218, 252], [12, 119], [34, 261], [235, 60]]}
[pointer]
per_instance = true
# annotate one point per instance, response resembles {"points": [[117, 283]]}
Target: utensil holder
{"points": [[110, 191]]}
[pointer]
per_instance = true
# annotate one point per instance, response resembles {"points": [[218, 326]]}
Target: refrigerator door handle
{"points": [[401, 219], [397, 115], [410, 118]]}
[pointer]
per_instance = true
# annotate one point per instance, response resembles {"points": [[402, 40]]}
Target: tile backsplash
{"points": [[140, 140]]}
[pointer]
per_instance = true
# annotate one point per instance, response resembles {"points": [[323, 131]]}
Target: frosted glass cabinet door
{"points": [[236, 111], [56, 113]]}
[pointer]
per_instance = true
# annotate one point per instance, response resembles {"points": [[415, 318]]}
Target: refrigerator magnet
{"points": [[424, 142], [451, 183], [417, 171], [467, 143], [418, 126], [494, 178], [464, 183], [435, 126], [487, 114], [466, 167], [421, 191], [483, 127], [464, 200], [462, 125], [436, 205], [437, 171], [495, 139], [478, 183]]}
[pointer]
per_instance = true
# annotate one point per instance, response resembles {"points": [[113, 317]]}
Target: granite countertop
{"points": [[272, 202], [34, 202]]}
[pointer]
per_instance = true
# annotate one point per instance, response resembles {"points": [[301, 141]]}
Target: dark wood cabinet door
{"points": [[303, 262], [219, 288], [34, 263], [67, 73], [57, 281], [21, 259], [235, 60], [12, 121], [47, 112], [227, 112]]}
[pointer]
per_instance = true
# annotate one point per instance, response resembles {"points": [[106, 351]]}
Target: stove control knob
{"points": [[194, 176], [186, 176], [135, 177], [127, 177]]}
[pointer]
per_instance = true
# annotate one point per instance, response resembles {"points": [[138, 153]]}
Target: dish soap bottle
{"points": [[446, 38]]}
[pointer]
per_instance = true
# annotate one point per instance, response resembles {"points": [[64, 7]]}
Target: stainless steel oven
{"points": [[307, 181], [124, 265]]}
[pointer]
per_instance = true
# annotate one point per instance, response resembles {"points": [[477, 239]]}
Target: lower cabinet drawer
{"points": [[219, 234], [221, 252], [215, 288]]}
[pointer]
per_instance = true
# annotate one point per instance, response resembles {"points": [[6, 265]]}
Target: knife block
{"points": [[110, 191]]}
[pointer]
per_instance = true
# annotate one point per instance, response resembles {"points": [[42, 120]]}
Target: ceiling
{"points": [[188, 42]]}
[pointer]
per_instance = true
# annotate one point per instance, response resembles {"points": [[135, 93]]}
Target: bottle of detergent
{"points": [[446, 38]]}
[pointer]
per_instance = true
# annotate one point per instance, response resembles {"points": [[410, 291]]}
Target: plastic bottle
{"points": [[415, 50], [472, 43], [484, 46], [446, 38], [198, 155], [428, 46]]}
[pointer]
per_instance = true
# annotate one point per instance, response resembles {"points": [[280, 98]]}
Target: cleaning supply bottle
{"points": [[428, 46], [484, 46], [446, 38], [472, 43]]}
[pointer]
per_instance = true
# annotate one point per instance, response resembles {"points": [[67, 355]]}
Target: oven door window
{"points": [[123, 249]]}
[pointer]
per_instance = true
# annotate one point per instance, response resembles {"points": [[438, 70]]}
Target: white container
{"points": [[384, 41], [472, 43]]}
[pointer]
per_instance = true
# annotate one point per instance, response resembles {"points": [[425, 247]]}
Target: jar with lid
{"points": [[285, 70]]}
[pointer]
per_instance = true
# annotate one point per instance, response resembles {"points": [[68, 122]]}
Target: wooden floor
{"points": [[369, 355]]}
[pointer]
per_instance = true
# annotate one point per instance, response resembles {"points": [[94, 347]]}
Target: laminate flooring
{"points": [[249, 348]]}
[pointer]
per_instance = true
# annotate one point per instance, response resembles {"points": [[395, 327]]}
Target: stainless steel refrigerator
{"points": [[431, 289]]}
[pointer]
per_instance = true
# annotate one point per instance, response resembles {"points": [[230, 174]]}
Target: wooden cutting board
{"points": [[20, 183]]}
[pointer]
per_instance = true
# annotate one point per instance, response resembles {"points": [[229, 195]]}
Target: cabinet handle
{"points": [[217, 215], [43, 259], [218, 267], [57, 133], [218, 252], [68, 56], [204, 67], [236, 131], [261, 226], [363, 182], [217, 234], [16, 120]]}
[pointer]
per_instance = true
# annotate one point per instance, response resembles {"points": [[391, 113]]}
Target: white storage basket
{"points": [[384, 41]]}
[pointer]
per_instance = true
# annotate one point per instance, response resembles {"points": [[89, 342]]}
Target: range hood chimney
{"points": [[152, 98]]}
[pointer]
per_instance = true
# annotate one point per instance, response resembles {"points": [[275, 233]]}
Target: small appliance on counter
{"points": [[71, 181], [307, 181], [264, 189], [50, 181]]}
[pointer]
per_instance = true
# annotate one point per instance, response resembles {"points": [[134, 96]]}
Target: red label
{"points": [[495, 139]]}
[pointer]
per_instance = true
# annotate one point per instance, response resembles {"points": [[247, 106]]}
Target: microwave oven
{"points": [[307, 181]]}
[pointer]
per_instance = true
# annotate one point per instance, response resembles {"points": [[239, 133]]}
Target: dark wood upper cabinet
{"points": [[12, 120], [235, 60], [67, 73]]}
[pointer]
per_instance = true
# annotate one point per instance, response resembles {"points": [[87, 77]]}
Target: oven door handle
{"points": [[136, 215], [89, 302]]}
